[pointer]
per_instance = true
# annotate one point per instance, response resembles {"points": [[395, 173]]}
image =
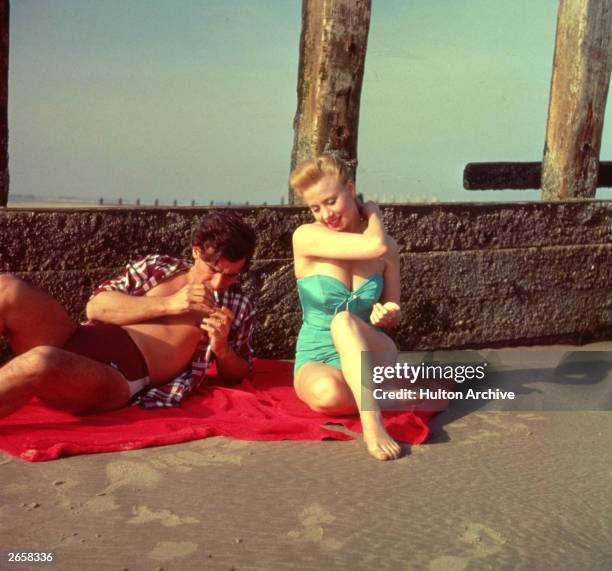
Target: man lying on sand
{"points": [[162, 320]]}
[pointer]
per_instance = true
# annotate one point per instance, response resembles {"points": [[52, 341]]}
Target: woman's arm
{"points": [[315, 240], [387, 313]]}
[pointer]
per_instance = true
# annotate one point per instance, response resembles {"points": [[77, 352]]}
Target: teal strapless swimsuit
{"points": [[322, 297]]}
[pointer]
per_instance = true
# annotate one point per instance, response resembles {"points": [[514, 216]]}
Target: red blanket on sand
{"points": [[265, 408]]}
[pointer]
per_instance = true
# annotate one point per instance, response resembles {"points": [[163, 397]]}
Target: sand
{"points": [[490, 490]]}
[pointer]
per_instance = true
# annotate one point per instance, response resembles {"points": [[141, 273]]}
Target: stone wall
{"points": [[473, 275]]}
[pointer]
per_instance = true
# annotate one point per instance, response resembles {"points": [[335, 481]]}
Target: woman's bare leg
{"points": [[323, 388], [352, 336], [331, 391], [30, 317]]}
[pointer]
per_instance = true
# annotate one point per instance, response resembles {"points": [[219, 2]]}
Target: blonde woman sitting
{"points": [[348, 280]]}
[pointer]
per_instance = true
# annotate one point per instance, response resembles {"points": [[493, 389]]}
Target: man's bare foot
{"points": [[377, 439]]}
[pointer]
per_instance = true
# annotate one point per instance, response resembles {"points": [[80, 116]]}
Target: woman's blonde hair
{"points": [[309, 173]]}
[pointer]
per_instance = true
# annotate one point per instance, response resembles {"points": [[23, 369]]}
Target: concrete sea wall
{"points": [[473, 275]]}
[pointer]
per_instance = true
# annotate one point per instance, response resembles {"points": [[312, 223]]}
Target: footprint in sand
{"points": [[480, 541], [167, 550], [313, 518], [119, 474], [500, 420], [62, 488], [484, 540], [142, 514], [124, 473], [98, 504]]}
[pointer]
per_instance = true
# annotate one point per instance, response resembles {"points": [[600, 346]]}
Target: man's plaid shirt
{"points": [[138, 278]]}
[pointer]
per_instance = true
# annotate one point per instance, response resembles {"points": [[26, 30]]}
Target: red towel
{"points": [[265, 408]]}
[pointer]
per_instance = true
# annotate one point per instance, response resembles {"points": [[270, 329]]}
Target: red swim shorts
{"points": [[112, 345]]}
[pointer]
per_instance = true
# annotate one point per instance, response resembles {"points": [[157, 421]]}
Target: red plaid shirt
{"points": [[138, 278]]}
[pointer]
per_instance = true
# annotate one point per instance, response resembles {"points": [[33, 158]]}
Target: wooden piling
{"points": [[579, 89], [332, 56]]}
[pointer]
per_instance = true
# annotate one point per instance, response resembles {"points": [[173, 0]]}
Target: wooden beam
{"points": [[578, 94], [4, 65], [517, 176], [332, 57]]}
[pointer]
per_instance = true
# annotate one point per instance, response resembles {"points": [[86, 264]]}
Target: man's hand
{"points": [[191, 297], [217, 326], [385, 315]]}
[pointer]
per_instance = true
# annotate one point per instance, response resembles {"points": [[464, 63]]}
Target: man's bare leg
{"points": [[30, 317], [62, 380]]}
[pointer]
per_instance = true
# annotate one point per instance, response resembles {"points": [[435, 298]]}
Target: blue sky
{"points": [[194, 100]]}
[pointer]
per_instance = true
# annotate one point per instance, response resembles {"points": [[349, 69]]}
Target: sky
{"points": [[194, 100]]}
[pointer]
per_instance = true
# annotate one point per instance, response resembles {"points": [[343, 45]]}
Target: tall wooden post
{"points": [[579, 89], [4, 64], [332, 57]]}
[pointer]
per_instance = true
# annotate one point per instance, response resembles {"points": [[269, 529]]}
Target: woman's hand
{"points": [[385, 315]]}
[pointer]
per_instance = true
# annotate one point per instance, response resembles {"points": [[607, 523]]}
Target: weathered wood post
{"points": [[4, 63], [579, 89], [332, 56]]}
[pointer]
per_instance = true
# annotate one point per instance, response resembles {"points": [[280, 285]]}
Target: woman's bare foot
{"points": [[377, 439]]}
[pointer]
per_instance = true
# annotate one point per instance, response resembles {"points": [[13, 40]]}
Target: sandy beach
{"points": [[489, 490]]}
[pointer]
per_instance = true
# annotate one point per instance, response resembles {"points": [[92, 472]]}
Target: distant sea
{"points": [[33, 200], [29, 198]]}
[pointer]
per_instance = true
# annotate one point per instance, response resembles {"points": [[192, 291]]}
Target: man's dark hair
{"points": [[223, 234]]}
